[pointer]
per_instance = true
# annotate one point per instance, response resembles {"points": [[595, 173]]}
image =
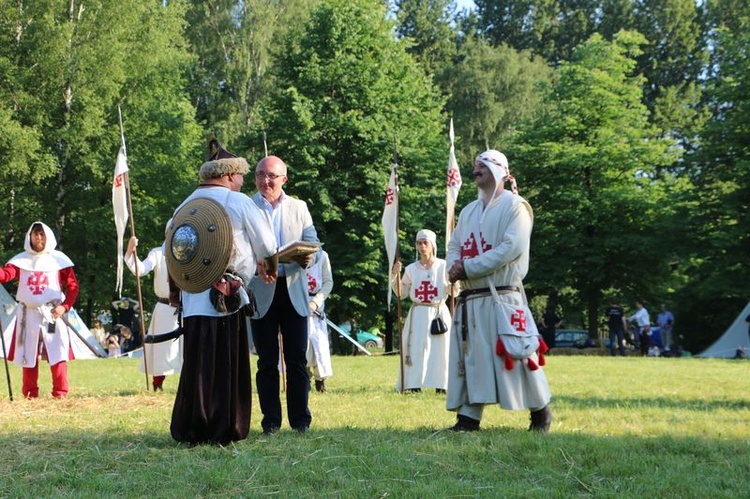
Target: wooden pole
{"points": [[399, 324], [143, 325], [5, 359]]}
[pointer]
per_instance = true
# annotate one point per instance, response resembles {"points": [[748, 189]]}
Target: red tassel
{"points": [[500, 347], [542, 360], [508, 363], [533, 366], [543, 348]]}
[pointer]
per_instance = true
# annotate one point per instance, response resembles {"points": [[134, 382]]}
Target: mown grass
{"points": [[647, 427]]}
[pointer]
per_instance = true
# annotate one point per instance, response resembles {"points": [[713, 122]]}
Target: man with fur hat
{"points": [[47, 289], [213, 400], [425, 350], [283, 304], [489, 255]]}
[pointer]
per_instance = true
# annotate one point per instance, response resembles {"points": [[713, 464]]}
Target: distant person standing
{"points": [[665, 321], [319, 286], [425, 282], [213, 401], [47, 289], [125, 311], [550, 323], [616, 322], [642, 325], [489, 254], [283, 304], [98, 331]]}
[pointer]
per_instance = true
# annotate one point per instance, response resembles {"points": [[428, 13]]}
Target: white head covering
{"points": [[498, 165], [430, 236], [51, 239], [47, 260]]}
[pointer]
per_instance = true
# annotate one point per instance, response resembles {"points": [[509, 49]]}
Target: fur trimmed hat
{"points": [[218, 168]]}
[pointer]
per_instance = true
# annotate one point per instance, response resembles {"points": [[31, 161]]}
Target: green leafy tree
{"points": [[72, 63], [347, 93], [229, 79], [719, 225], [549, 28], [492, 90], [427, 24], [587, 168], [672, 61]]}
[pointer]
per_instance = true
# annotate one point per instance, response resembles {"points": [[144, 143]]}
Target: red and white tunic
{"points": [[426, 354], [45, 280]]}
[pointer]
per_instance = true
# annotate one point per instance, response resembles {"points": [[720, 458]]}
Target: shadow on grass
{"points": [[347, 461], [653, 402]]}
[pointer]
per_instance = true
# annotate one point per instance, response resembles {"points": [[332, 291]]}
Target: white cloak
{"points": [[320, 284], [425, 354], [38, 286], [162, 358], [477, 373]]}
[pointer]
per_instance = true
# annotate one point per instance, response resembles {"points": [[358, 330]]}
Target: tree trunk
{"points": [[593, 318]]}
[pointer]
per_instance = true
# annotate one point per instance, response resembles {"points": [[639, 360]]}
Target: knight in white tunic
{"points": [[319, 286], [47, 289], [161, 359], [426, 283], [489, 255]]}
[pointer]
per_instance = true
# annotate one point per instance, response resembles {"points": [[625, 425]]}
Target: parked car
{"points": [[566, 338], [364, 338]]}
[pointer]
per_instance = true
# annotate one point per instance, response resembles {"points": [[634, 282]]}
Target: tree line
{"points": [[624, 122]]}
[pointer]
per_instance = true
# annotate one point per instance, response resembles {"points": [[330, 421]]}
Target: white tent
{"points": [[733, 338], [82, 340]]}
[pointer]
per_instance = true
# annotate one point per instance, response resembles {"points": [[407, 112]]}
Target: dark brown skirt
{"points": [[214, 394]]}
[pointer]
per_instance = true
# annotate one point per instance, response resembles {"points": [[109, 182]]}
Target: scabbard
{"points": [[161, 338]]}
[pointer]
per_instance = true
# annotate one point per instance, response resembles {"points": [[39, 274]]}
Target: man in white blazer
{"points": [[283, 304]]}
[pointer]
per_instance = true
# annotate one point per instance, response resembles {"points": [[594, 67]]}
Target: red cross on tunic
{"points": [[426, 292], [389, 197], [470, 250], [518, 320], [454, 178], [37, 282], [312, 284]]}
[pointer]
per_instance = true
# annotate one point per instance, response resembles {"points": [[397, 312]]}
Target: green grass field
{"points": [[632, 427]]}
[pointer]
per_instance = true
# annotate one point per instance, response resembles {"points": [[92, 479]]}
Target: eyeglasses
{"points": [[269, 176]]}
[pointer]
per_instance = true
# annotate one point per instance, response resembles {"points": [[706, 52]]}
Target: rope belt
{"points": [[467, 294]]}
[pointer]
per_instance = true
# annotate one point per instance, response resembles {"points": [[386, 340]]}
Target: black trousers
{"points": [[282, 317]]}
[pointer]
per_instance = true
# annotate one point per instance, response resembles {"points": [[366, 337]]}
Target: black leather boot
{"points": [[541, 420], [465, 423]]}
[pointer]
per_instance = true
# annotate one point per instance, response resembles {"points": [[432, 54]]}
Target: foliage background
{"points": [[624, 121]]}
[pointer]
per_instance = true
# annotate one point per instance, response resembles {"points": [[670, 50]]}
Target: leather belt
{"points": [[466, 293], [469, 292]]}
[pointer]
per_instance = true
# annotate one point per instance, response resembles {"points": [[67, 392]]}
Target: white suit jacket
{"points": [[296, 225]]}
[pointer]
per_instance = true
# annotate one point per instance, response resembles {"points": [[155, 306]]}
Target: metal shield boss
{"points": [[198, 244]]}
